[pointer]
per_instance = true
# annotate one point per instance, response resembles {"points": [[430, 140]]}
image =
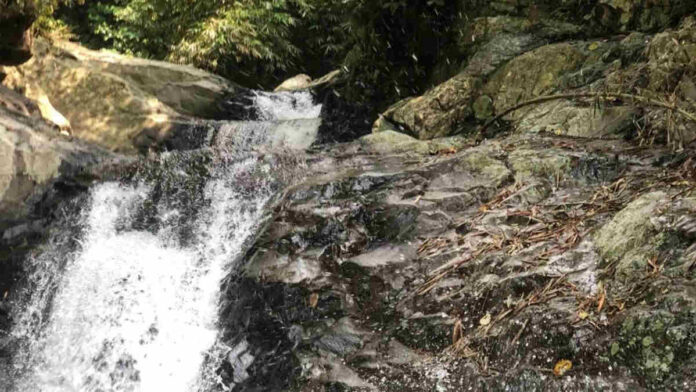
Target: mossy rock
{"points": [[622, 239], [563, 117], [532, 74], [655, 345], [483, 107], [439, 111], [392, 141], [482, 160], [548, 164], [648, 15]]}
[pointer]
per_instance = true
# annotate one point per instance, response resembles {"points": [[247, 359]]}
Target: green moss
{"points": [[647, 341], [655, 345], [532, 74], [615, 347], [483, 107], [389, 141], [548, 164], [634, 262], [386, 140]]}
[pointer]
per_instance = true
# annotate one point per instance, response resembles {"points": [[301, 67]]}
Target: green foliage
{"points": [[45, 23], [395, 44], [250, 41], [388, 48]]}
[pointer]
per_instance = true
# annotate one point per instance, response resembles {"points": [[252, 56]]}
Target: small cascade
{"points": [[285, 105], [285, 119], [134, 308]]}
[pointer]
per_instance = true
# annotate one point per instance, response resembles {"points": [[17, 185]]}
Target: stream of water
{"points": [[135, 307]]}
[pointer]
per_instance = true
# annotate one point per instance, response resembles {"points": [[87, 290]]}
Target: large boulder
{"points": [[534, 73], [297, 82], [15, 37], [671, 60], [494, 42], [438, 112], [519, 50], [448, 107], [665, 73], [111, 99], [32, 156]]}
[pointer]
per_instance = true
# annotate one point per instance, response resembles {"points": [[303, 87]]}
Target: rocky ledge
{"points": [[530, 262], [121, 103], [620, 47]]}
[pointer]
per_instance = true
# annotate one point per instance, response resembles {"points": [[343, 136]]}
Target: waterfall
{"points": [[134, 307]]}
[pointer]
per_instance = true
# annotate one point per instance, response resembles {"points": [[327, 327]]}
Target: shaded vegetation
{"points": [[388, 48]]}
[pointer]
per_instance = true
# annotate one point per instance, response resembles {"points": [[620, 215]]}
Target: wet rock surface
{"points": [[401, 266]]}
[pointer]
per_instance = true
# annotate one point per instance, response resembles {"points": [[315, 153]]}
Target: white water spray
{"points": [[286, 105], [134, 310]]}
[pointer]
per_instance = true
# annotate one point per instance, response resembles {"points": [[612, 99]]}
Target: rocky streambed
{"points": [[391, 263], [553, 252], [443, 266]]}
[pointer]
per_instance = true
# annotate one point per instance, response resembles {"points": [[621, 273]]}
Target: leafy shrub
{"points": [[249, 41]]}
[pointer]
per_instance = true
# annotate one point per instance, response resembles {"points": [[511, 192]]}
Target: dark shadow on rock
{"points": [[263, 321], [341, 121]]}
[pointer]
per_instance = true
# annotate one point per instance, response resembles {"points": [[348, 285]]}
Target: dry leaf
{"points": [[457, 332], [583, 315], [485, 320], [313, 300], [562, 367], [602, 298]]}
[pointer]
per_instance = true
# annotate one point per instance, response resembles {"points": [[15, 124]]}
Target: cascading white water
{"points": [[285, 105], [135, 310]]}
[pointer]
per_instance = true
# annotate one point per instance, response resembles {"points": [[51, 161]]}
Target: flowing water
{"points": [[134, 307]]}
